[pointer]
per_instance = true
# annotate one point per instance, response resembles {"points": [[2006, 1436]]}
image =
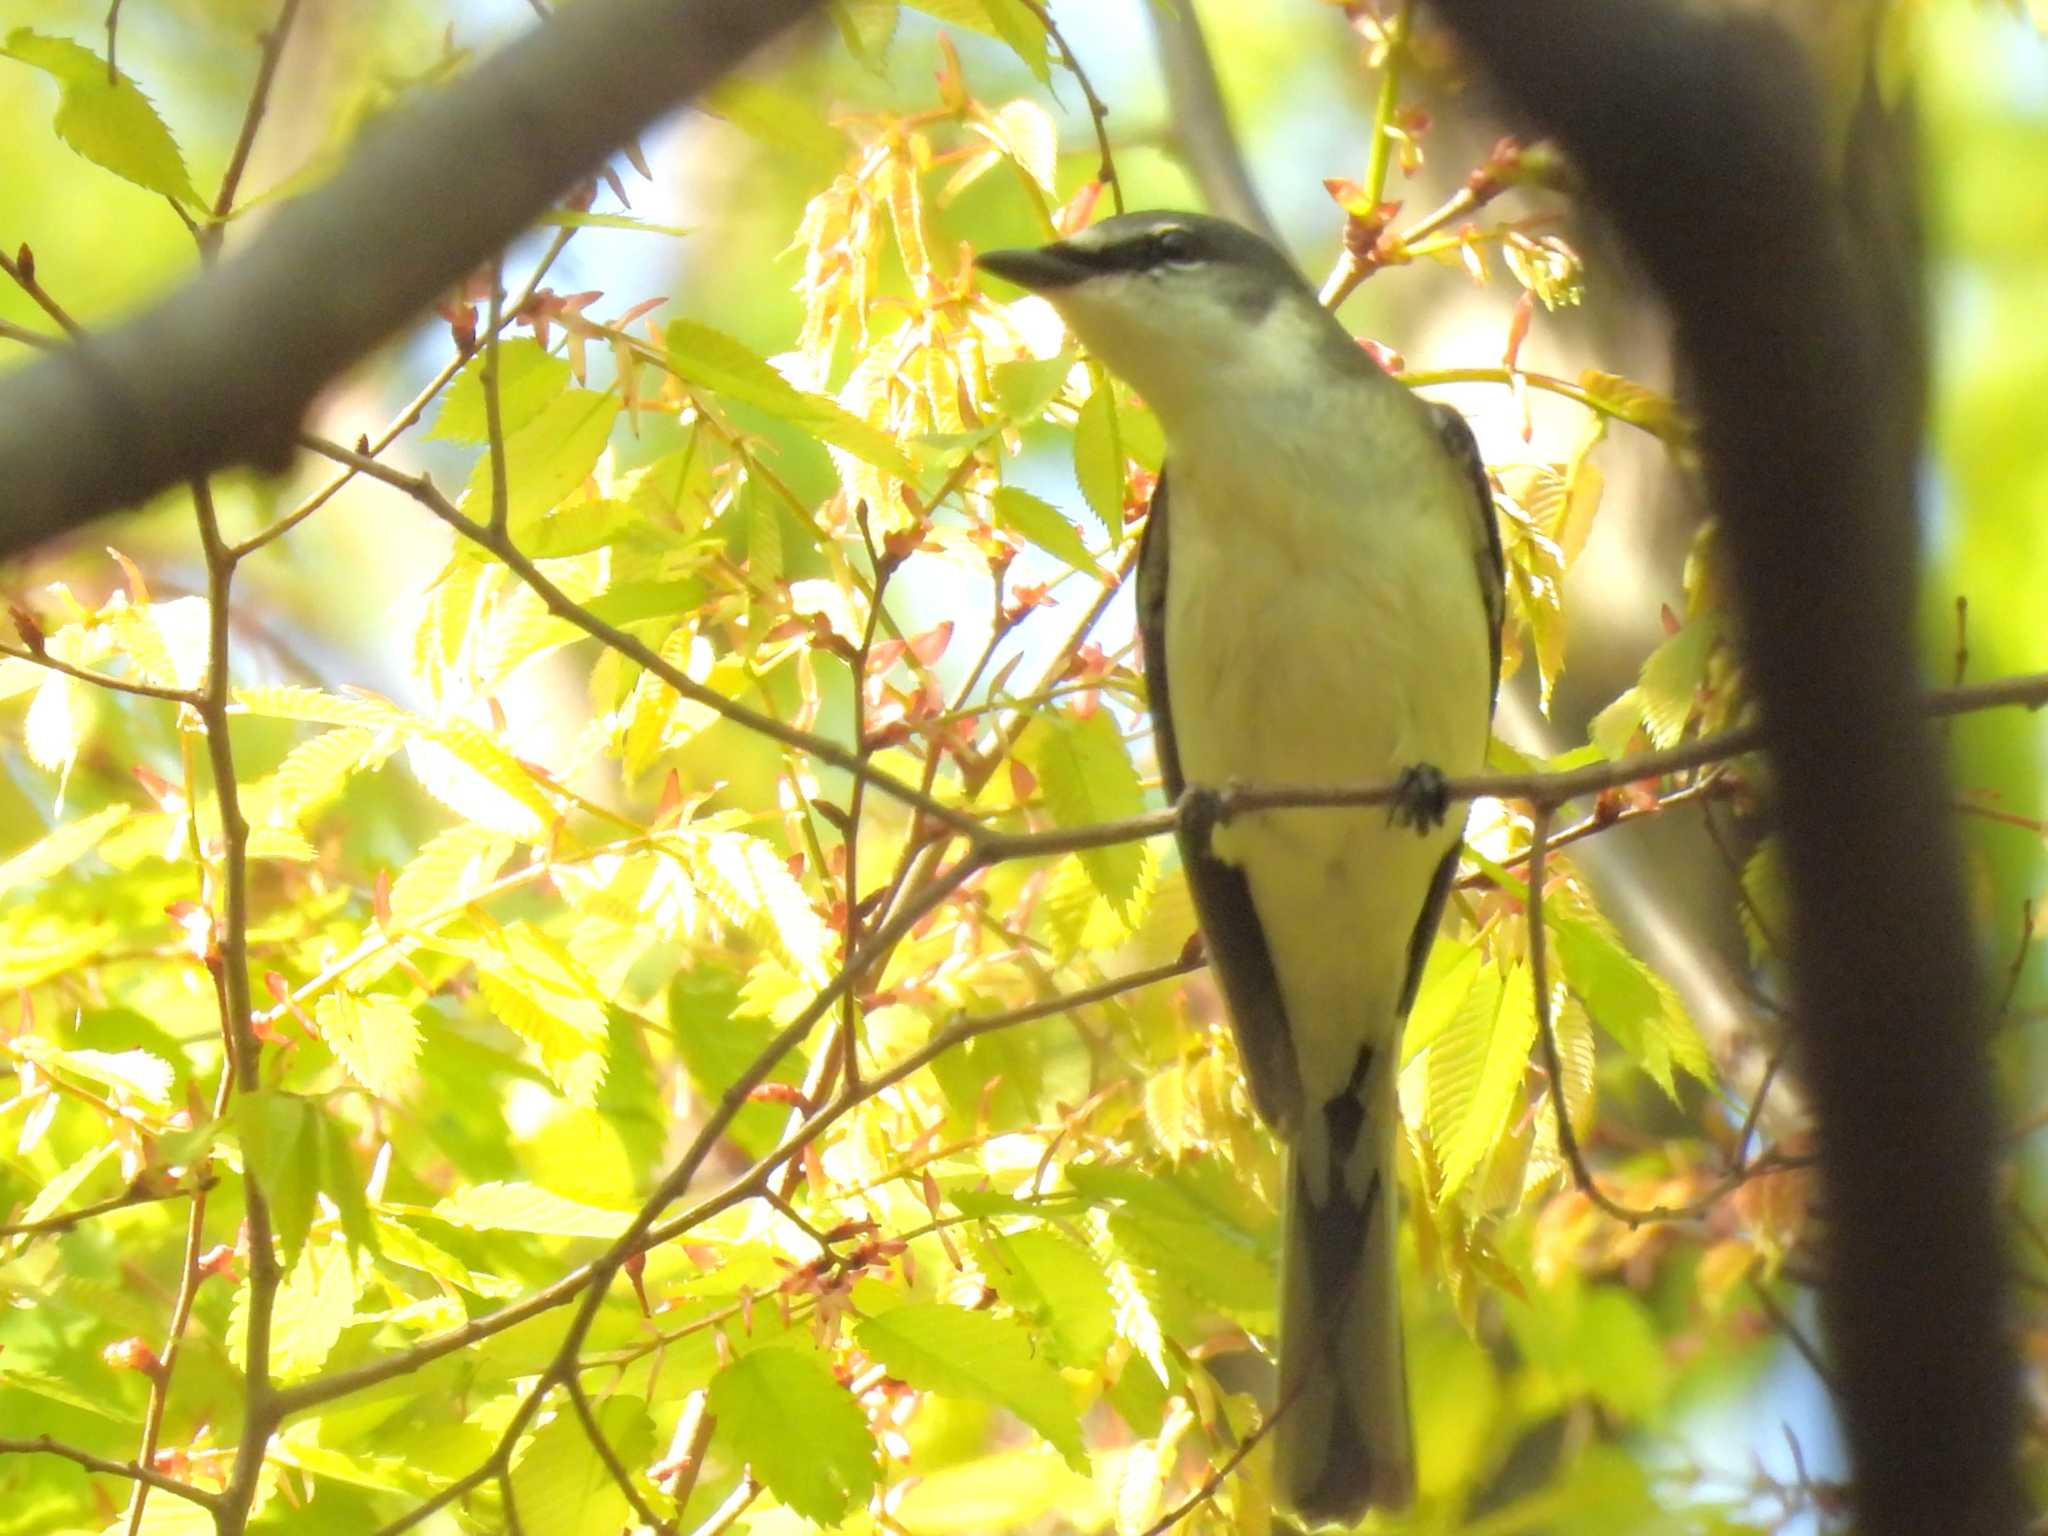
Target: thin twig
{"points": [[1098, 110], [594, 1432], [23, 272], [494, 421], [244, 1049], [100, 679], [1782, 1321], [44, 1445], [138, 1193], [1214, 1481], [252, 119], [558, 603], [406, 419], [1354, 265]]}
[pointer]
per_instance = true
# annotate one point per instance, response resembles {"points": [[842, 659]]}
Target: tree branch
{"points": [[137, 409], [1809, 418], [1201, 119]]}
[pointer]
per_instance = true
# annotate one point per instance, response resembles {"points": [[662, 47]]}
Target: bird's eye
{"points": [[1174, 245]]}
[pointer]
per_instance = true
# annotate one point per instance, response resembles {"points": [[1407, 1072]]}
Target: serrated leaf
{"points": [[1024, 30], [137, 1072], [450, 868], [974, 1355], [514, 1206], [314, 772], [712, 360], [60, 848], [288, 701], [1765, 911], [752, 889], [376, 1038], [1025, 132], [54, 728], [1668, 687], [1475, 1072], [1099, 459], [1629, 1001], [1060, 1284], [1040, 523], [717, 1045], [316, 1301], [1085, 772], [51, 1198], [281, 1147], [798, 1429], [529, 379], [562, 1485], [463, 768], [532, 992], [547, 458], [107, 120]]}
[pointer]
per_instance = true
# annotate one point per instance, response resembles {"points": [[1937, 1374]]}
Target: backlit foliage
{"points": [[967, 1257]]}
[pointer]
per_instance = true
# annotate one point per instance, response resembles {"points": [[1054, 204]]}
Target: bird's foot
{"points": [[1421, 800], [1201, 812]]}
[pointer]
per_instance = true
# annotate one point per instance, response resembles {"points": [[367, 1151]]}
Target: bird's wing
{"points": [[1455, 433], [1223, 897]]}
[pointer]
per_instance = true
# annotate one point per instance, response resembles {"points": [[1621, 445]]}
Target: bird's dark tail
{"points": [[1342, 1445]]}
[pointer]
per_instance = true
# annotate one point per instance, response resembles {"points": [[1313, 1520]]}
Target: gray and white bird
{"points": [[1320, 604]]}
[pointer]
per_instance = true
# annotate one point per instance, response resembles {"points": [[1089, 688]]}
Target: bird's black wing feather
{"points": [[1456, 435], [1223, 897]]}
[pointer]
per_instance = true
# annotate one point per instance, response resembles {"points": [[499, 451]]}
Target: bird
{"points": [[1320, 593]]}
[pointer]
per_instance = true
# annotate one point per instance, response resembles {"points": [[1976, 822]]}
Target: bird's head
{"points": [[1169, 299]]}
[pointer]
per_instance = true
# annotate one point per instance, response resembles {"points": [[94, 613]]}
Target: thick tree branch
{"points": [[1808, 416], [1201, 119], [159, 400]]}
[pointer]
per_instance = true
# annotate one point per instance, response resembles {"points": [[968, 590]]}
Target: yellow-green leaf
{"points": [[106, 119], [784, 1415], [376, 1038], [974, 1355]]}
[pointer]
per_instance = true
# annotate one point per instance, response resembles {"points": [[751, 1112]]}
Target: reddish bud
{"points": [[132, 1354], [25, 625], [25, 259]]}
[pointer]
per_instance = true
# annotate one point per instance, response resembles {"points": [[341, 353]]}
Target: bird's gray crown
{"points": [[1155, 241]]}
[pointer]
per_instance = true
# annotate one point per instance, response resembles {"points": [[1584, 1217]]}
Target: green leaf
{"points": [[1061, 1285], [281, 1147], [781, 119], [109, 121], [1024, 30], [1669, 685], [800, 1431], [536, 989], [974, 1355], [316, 1301], [376, 1038], [1040, 523], [461, 766], [712, 360], [717, 1045], [563, 1487], [517, 1207], [1085, 772], [529, 379], [60, 848], [1025, 388], [1629, 1001], [449, 869], [547, 458], [1475, 1071], [1099, 459]]}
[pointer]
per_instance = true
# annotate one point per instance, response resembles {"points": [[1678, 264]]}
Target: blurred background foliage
{"points": [[519, 916]]}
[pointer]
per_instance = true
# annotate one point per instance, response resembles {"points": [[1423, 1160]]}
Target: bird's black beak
{"points": [[1048, 268]]}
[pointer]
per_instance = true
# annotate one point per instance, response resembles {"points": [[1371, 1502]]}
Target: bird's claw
{"points": [[1421, 800], [1201, 813]]}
